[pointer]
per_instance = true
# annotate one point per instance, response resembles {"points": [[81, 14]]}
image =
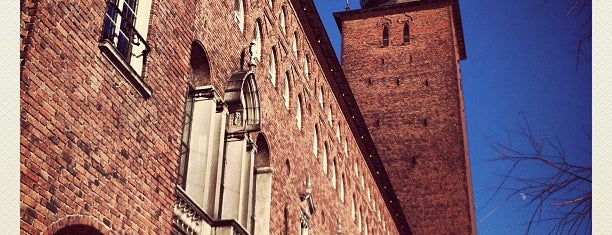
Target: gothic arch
{"points": [[262, 158], [200, 66], [242, 99]]}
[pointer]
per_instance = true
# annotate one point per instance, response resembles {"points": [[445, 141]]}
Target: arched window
{"points": [[298, 111], [329, 115], [406, 33], [256, 50], [333, 173], [324, 160], [263, 186], [281, 19], [294, 44], [320, 96], [315, 138], [239, 13], [270, 3], [286, 90], [306, 61], [353, 208], [338, 132], [385, 36], [342, 188], [346, 147], [272, 67]]}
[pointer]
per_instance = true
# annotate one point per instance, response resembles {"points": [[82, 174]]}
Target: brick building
{"points": [[235, 117]]}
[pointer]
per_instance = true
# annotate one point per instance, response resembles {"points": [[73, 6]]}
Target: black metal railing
{"points": [[119, 30]]}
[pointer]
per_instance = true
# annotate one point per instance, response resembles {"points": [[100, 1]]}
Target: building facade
{"points": [[224, 117]]}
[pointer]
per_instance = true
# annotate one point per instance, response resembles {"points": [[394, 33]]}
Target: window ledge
{"points": [[110, 52]]}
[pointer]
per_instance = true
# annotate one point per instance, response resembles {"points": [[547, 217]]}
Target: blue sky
{"points": [[521, 65]]}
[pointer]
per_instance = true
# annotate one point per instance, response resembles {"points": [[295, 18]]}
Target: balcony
{"points": [[190, 219]]}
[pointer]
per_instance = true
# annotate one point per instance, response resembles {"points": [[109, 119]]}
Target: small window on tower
{"points": [[406, 33], [385, 35]]}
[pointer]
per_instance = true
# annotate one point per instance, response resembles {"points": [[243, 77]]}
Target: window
{"points": [[287, 90], [272, 67], [320, 96], [324, 160], [346, 147], [123, 41], [329, 115], [342, 188], [406, 33], [333, 173], [256, 50], [315, 147], [298, 112], [338, 137], [270, 3], [294, 44], [385, 36], [353, 208], [239, 14], [306, 67], [281, 19]]}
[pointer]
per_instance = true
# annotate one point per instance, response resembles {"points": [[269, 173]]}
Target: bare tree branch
{"points": [[560, 192]]}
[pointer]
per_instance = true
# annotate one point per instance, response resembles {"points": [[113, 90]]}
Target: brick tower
{"points": [[401, 59]]}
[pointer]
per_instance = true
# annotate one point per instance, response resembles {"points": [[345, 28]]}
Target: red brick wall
{"points": [[413, 108], [91, 146]]}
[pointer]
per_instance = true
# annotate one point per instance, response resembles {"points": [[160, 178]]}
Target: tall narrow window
{"points": [[338, 137], [123, 41], [315, 140], [239, 13], [287, 90], [272, 67], [329, 115], [281, 19], [306, 61], [324, 160], [333, 173], [406, 33], [298, 111], [346, 147], [353, 207], [256, 50], [342, 188], [320, 96], [385, 36], [294, 44]]}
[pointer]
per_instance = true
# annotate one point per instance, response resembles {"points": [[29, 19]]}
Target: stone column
{"points": [[263, 200]]}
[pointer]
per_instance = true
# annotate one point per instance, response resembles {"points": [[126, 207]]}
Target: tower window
{"points": [[406, 33], [385, 36]]}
